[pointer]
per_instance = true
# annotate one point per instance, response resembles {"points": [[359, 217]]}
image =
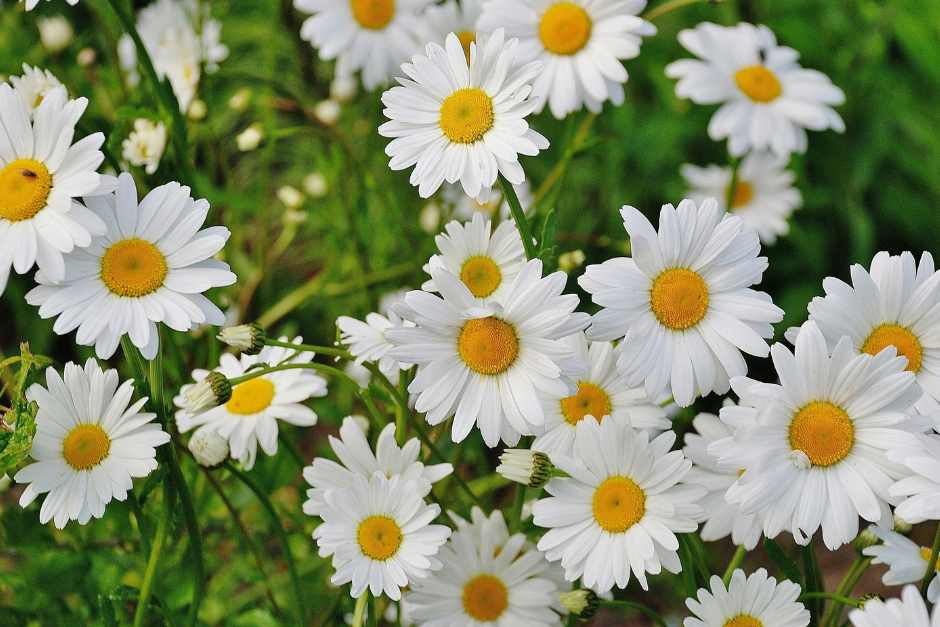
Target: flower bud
{"points": [[580, 603], [316, 185], [530, 468], [208, 447], [197, 110], [239, 101], [327, 112], [250, 138], [246, 338], [55, 33], [865, 539], [901, 525], [343, 88], [290, 196], [211, 392], [571, 260], [86, 57]]}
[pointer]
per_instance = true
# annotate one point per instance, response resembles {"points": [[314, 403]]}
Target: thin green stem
{"points": [[374, 614], [192, 530], [518, 214], [831, 596], [932, 563], [656, 618], [260, 372], [321, 350], [515, 520], [557, 173], [729, 199], [736, 560], [146, 587], [360, 612], [845, 587], [672, 5]]}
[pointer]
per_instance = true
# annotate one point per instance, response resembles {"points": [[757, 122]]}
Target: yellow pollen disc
{"points": [[618, 504], [926, 553], [743, 620], [679, 298], [488, 345], [251, 397], [743, 194], [466, 38], [901, 339], [589, 400], [24, 188], [823, 431], [133, 267], [565, 28], [481, 275], [373, 14], [485, 598], [758, 83], [379, 537], [85, 446], [467, 115]]}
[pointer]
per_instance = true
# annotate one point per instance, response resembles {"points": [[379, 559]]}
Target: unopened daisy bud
{"points": [[211, 392], [250, 138], [240, 99], [208, 447], [86, 57], [430, 217], [315, 184], [531, 468], [245, 338], [901, 525], [327, 112], [580, 603], [343, 88], [865, 539], [197, 110], [55, 33], [571, 260], [290, 196]]}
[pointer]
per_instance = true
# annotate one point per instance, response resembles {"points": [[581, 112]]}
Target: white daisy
{"points": [[367, 341], [379, 533], [31, 4], [487, 364], [918, 492], [90, 443], [490, 202], [455, 17], [486, 261], [815, 453], [33, 86], [151, 265], [722, 519], [684, 300], [145, 145], [764, 195], [459, 122], [356, 458], [374, 36], [908, 611], [42, 175], [748, 601], [488, 578], [767, 100], [581, 44], [601, 394], [906, 561], [896, 303], [620, 508], [250, 417]]}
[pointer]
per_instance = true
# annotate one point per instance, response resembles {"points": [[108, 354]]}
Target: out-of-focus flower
{"points": [[145, 145], [55, 33], [327, 112], [290, 196], [250, 138], [197, 110], [316, 185], [86, 57]]}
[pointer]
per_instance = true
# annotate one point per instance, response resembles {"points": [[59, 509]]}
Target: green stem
{"points": [[656, 618], [813, 579], [558, 172], [831, 596], [845, 587], [729, 198], [672, 5], [736, 560], [374, 614], [515, 521], [143, 599], [360, 611], [932, 563], [518, 214], [281, 535], [260, 372], [322, 350]]}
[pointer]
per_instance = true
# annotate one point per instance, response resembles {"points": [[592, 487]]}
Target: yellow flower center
{"points": [[618, 504], [481, 275], [485, 598], [743, 620], [926, 553], [679, 298], [133, 267], [251, 397], [467, 115], [373, 14], [24, 189], [901, 339], [743, 194], [379, 537], [565, 28], [488, 345], [466, 38], [589, 400], [823, 431], [758, 83], [85, 447]]}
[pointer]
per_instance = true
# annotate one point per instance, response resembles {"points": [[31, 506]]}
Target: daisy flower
{"points": [[151, 264], [906, 561], [722, 519], [815, 453], [486, 261], [33, 86], [581, 44], [919, 489], [250, 416], [767, 99], [764, 195], [379, 534], [487, 364], [490, 202], [455, 121], [452, 17], [683, 302], [145, 145], [357, 459], [620, 508], [908, 611], [748, 601], [601, 393], [488, 578], [42, 176], [374, 36], [367, 342], [893, 304], [91, 442]]}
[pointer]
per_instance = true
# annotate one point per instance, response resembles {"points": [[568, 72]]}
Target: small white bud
{"points": [[250, 138], [343, 88], [290, 196], [315, 184], [901, 525], [197, 110], [327, 112], [86, 57], [571, 260], [580, 603], [239, 101], [211, 392], [246, 338], [55, 33], [430, 217], [525, 466], [208, 447]]}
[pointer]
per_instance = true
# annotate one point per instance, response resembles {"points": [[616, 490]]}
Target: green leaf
{"points": [[784, 562], [17, 444]]}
